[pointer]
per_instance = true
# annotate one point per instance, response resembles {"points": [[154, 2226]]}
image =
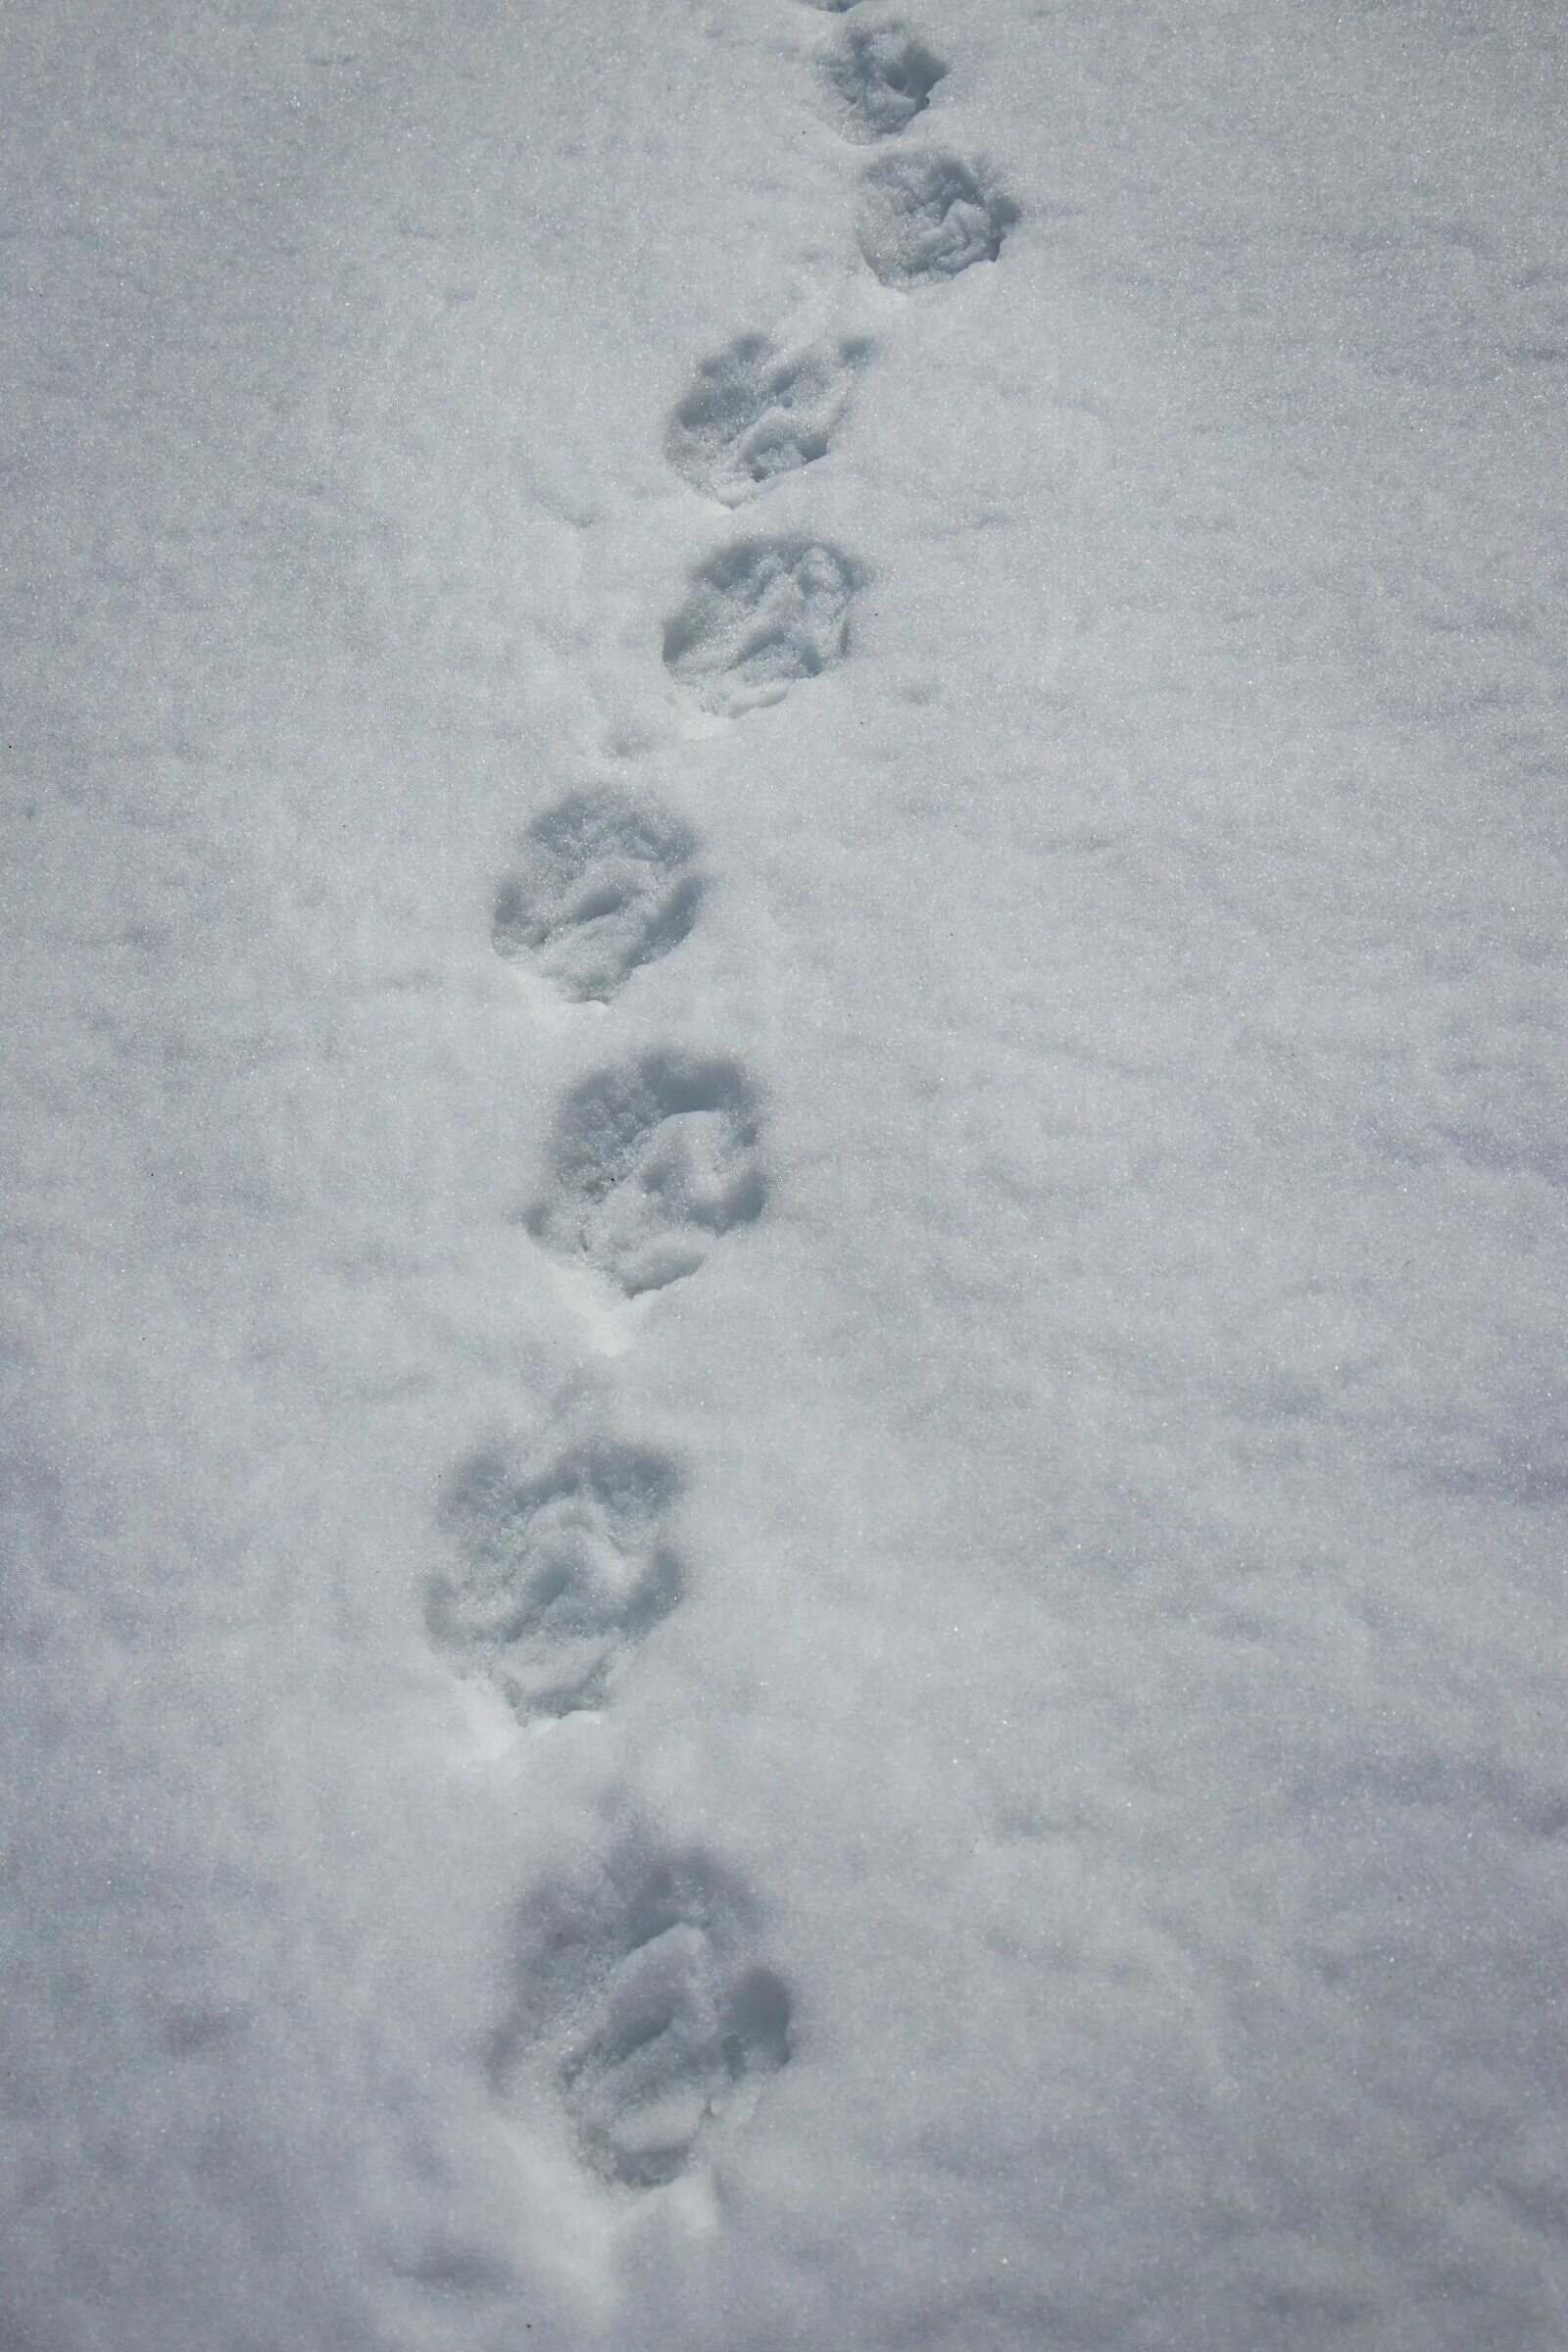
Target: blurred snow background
{"points": [[1049, 1827]]}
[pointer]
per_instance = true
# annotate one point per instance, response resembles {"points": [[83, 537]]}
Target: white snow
{"points": [[785, 1441]]}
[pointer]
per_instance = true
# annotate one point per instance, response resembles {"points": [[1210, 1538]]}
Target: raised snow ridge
{"points": [[603, 880], [926, 217], [649, 1163], [756, 411], [878, 78], [760, 615], [557, 1572]]}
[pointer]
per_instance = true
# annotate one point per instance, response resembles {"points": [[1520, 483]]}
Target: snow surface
{"points": [[826, 1611]]}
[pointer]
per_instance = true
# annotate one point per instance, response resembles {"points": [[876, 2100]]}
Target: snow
{"points": [[785, 1444]]}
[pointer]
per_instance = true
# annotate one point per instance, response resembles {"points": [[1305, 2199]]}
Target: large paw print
{"points": [[603, 881], [877, 78], [640, 2013], [926, 217], [756, 411], [760, 615], [558, 1572], [649, 1163]]}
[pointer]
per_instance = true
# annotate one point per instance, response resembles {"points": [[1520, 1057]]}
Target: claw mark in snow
{"points": [[604, 882], [648, 1164], [760, 615], [879, 78], [924, 218], [756, 411], [558, 1573], [637, 2011]]}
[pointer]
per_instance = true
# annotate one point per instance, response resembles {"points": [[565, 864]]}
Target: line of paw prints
{"points": [[640, 2019], [763, 615], [924, 213]]}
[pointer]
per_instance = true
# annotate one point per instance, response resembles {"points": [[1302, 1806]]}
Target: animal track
{"points": [[558, 1573], [924, 218], [756, 411], [651, 2027], [649, 1163], [674, 2044], [878, 78], [760, 615], [604, 882]]}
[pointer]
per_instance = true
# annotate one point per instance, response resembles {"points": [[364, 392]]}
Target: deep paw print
{"points": [[640, 2011], [877, 77], [603, 881], [759, 616], [756, 411], [673, 2050], [648, 1164], [926, 217], [556, 1573]]}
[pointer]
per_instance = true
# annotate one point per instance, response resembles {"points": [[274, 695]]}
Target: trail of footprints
{"points": [[641, 2021]]}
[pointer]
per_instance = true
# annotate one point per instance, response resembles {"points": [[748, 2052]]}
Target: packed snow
{"points": [[786, 1399]]}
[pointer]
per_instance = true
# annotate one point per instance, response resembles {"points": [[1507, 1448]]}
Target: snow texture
{"points": [[785, 1387]]}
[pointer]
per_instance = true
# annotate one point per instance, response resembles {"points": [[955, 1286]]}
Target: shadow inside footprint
{"points": [[603, 880], [757, 412], [557, 1573], [925, 217], [760, 615], [649, 1162]]}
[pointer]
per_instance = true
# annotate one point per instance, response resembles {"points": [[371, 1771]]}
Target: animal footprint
{"points": [[653, 2027], [760, 615], [878, 78], [558, 1573], [604, 882], [924, 218], [756, 411], [649, 1163]]}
